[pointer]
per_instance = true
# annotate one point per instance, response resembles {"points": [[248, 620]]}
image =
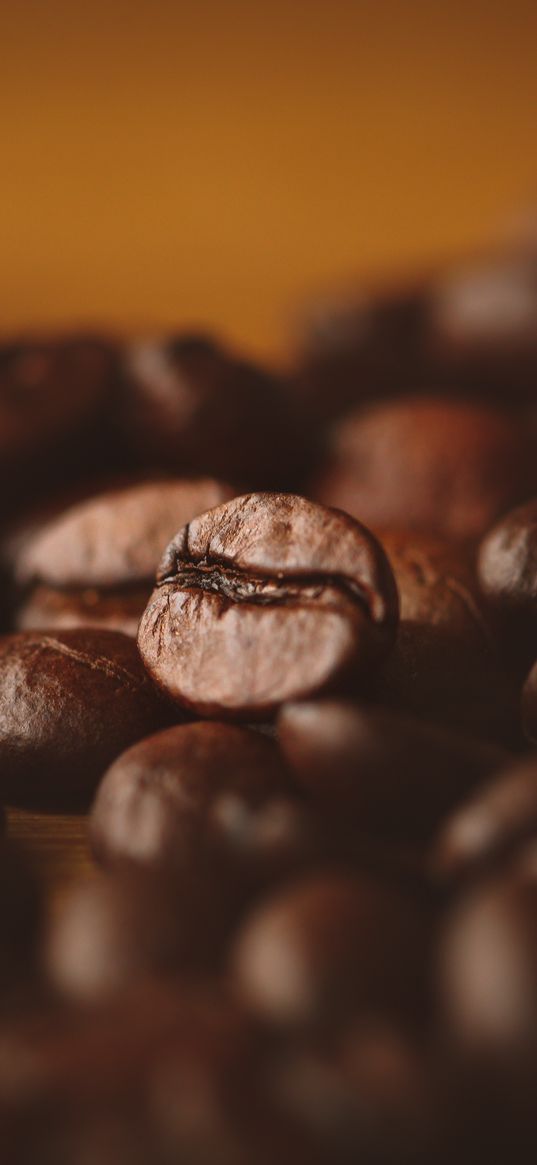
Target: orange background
{"points": [[213, 161]]}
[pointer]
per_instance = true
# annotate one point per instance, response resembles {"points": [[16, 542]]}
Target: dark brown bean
{"points": [[264, 599], [430, 464], [112, 930], [164, 800], [446, 665], [330, 945], [192, 407], [491, 826], [488, 970], [95, 563], [69, 703], [393, 775], [507, 566], [529, 705]]}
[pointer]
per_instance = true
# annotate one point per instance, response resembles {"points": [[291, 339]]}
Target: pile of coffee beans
{"points": [[273, 638]]}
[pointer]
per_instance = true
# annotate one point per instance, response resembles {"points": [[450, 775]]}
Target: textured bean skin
{"points": [[69, 703], [264, 598], [95, 563]]}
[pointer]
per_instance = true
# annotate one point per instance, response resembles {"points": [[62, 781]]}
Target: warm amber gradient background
{"points": [[210, 161]]}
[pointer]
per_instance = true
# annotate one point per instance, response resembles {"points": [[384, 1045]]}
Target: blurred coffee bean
{"points": [[112, 930], [487, 971], [490, 827], [507, 565], [361, 345], [529, 705], [69, 703], [428, 463], [331, 945], [155, 804], [56, 407], [95, 564], [370, 1095], [64, 1069], [267, 598], [395, 776], [482, 326], [446, 665], [192, 407]]}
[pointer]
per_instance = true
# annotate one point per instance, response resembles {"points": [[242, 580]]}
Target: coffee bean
{"points": [[507, 565], [193, 407], [482, 326], [446, 665], [488, 970], [164, 800], [55, 404], [359, 346], [328, 946], [69, 703], [430, 464], [264, 599], [529, 705], [95, 563], [114, 930], [369, 1095], [391, 774], [490, 827]]}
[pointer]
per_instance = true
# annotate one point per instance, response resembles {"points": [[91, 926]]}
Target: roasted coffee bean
{"points": [[437, 585], [265, 599], [330, 945], [507, 565], [359, 346], [51, 609], [488, 969], [55, 403], [164, 800], [370, 1095], [102, 1057], [529, 705], [489, 828], [393, 775], [446, 665], [482, 326], [95, 563], [193, 407], [116, 929], [430, 464], [69, 703]]}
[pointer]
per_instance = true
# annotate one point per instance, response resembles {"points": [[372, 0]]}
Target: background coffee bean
{"points": [[69, 703], [392, 775], [488, 971], [95, 564], [446, 665], [454, 466], [507, 565], [190, 406], [155, 804], [330, 946], [263, 599], [488, 828], [116, 929]]}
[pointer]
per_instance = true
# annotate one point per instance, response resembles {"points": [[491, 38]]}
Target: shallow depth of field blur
{"points": [[215, 163]]}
